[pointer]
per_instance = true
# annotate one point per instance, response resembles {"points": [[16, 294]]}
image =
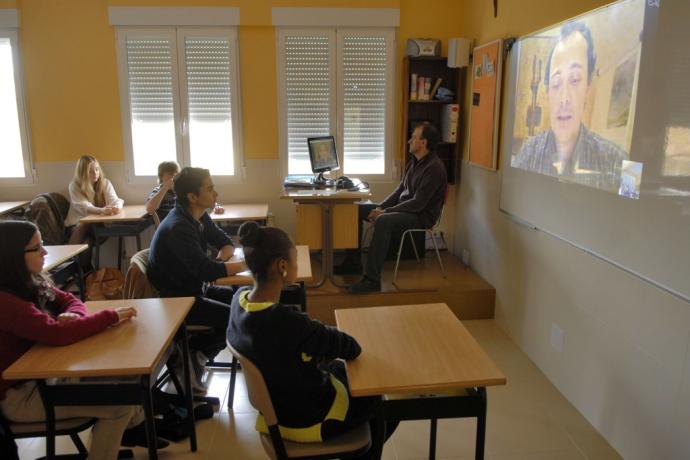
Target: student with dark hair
{"points": [[180, 265], [415, 203], [161, 200], [296, 355], [32, 310]]}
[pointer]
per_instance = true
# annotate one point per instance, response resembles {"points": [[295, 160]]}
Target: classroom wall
{"points": [[625, 361], [71, 86]]}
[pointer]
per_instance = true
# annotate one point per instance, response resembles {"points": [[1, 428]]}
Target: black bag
{"points": [[171, 415]]}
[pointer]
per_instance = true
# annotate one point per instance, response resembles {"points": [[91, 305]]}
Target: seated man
{"points": [[181, 267], [416, 203], [161, 200]]}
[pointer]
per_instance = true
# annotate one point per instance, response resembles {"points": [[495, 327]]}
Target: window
{"points": [[180, 99], [14, 153], [338, 81]]}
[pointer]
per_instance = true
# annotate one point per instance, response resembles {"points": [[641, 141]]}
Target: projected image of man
{"points": [[569, 149]]}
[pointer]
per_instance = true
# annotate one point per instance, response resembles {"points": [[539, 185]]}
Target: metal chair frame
{"points": [[430, 232]]}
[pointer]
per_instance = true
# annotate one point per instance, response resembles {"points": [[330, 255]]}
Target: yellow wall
{"points": [[70, 78], [70, 70]]}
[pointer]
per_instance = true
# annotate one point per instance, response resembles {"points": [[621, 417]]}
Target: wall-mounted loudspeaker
{"points": [[459, 52]]}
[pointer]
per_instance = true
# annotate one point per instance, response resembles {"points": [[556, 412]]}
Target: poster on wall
{"points": [[485, 104]]}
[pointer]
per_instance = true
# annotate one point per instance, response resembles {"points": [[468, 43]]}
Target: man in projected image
{"points": [[322, 155], [569, 149]]}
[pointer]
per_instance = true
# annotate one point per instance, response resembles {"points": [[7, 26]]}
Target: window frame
{"points": [[177, 34], [29, 178], [337, 95]]}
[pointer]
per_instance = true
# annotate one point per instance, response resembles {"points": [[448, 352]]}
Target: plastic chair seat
{"points": [[358, 438], [62, 427]]}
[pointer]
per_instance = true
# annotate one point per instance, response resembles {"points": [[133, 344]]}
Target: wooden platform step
{"points": [[465, 292]]}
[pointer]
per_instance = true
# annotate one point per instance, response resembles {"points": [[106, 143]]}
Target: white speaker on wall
{"points": [[459, 52]]}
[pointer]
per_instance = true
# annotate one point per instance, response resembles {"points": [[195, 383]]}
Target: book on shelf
{"points": [[435, 88], [420, 88], [413, 87], [427, 88]]}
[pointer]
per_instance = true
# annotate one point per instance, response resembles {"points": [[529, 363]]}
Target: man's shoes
{"points": [[365, 285], [137, 437]]}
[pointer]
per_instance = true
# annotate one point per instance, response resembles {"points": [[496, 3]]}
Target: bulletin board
{"points": [[485, 104]]}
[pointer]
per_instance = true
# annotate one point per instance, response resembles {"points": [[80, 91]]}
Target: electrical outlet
{"points": [[556, 338]]}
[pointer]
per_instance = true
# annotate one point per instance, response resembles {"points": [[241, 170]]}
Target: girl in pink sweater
{"points": [[33, 311]]}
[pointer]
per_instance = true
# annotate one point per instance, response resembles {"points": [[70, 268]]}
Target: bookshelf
{"points": [[415, 111]]}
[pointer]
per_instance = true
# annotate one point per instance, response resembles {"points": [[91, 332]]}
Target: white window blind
{"points": [[150, 77], [364, 89], [338, 82], [14, 148], [209, 93], [180, 85], [308, 96]]}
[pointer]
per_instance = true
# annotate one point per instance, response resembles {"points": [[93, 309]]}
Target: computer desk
{"points": [[327, 199]]}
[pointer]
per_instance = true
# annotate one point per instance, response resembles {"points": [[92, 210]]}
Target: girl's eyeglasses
{"points": [[35, 248]]}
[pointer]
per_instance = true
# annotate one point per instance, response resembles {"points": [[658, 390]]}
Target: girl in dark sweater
{"points": [[33, 311], [297, 356]]}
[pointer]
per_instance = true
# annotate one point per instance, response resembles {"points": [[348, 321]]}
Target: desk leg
{"points": [[97, 236], [432, 439], [378, 431], [80, 279], [327, 239], [119, 253], [481, 426], [50, 420], [189, 397], [303, 293], [148, 412]]}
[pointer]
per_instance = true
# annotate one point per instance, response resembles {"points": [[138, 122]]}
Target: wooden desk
{"points": [[136, 348], [57, 255], [412, 349], [329, 200], [245, 278], [128, 213], [242, 213], [130, 221], [7, 207]]}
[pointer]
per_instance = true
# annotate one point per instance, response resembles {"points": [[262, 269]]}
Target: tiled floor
{"points": [[528, 420]]}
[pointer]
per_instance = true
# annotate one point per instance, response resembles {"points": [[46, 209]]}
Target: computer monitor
{"points": [[322, 154]]}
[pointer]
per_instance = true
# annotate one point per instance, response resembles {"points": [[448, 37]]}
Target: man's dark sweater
{"points": [[422, 191], [178, 256]]}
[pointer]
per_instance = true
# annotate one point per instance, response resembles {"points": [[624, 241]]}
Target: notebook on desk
{"points": [[298, 181]]}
